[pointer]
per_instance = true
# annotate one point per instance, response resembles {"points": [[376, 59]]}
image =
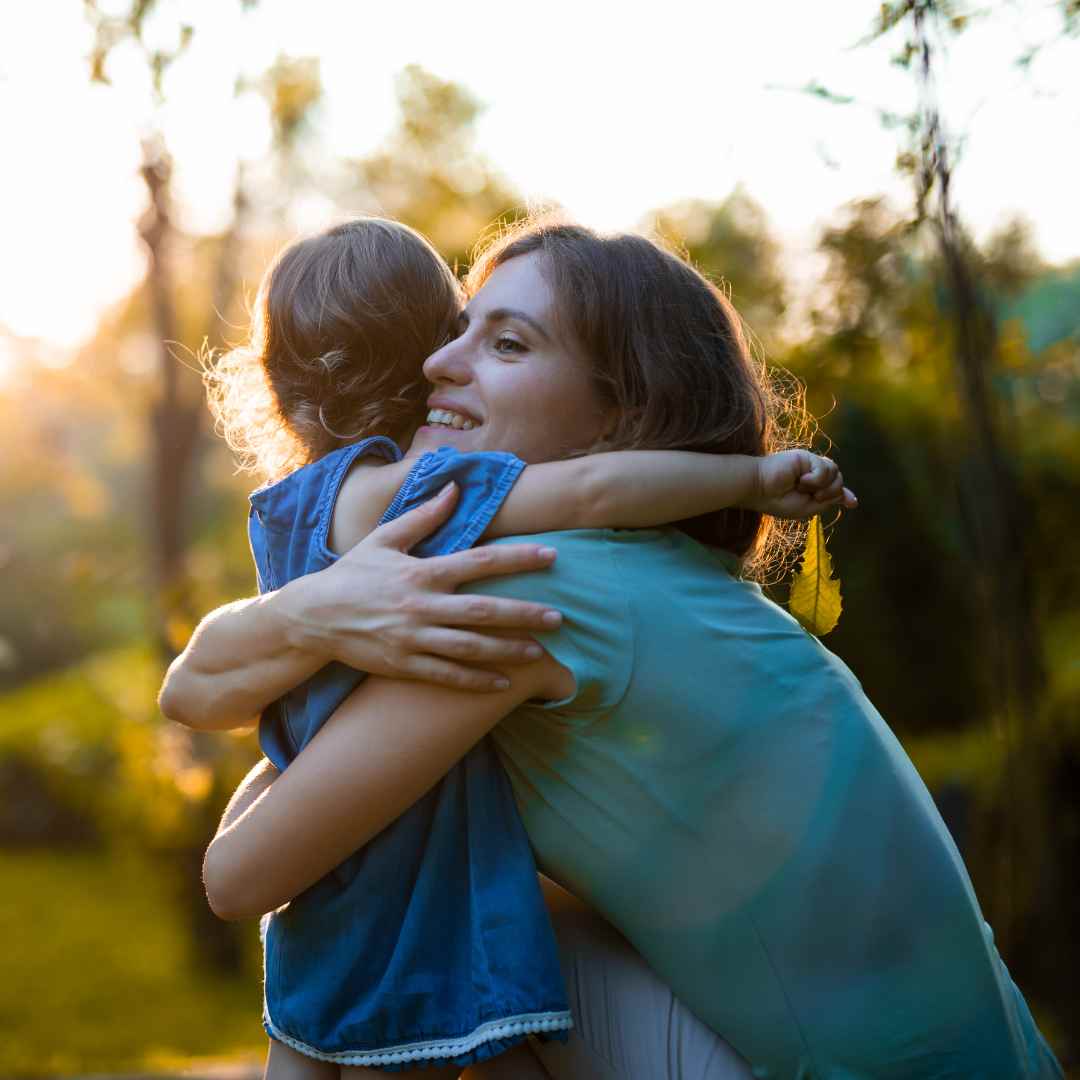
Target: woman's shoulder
{"points": [[579, 551], [596, 572], [595, 642], [632, 551]]}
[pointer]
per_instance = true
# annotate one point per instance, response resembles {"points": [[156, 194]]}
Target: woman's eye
{"points": [[508, 345]]}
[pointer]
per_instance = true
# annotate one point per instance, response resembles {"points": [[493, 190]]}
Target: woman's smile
{"points": [[509, 381], [449, 418]]}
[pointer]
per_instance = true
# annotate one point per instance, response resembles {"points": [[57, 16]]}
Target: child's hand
{"points": [[798, 484]]}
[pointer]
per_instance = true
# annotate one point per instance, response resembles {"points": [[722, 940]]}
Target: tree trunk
{"points": [[1024, 899], [175, 429]]}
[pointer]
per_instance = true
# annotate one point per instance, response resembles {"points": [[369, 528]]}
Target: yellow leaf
{"points": [[815, 594]]}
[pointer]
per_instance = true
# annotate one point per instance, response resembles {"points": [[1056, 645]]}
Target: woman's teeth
{"points": [[450, 419]]}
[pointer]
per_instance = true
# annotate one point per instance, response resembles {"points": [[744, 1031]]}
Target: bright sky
{"points": [[610, 107]]}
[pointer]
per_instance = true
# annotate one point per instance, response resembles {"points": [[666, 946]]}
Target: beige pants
{"points": [[627, 1023]]}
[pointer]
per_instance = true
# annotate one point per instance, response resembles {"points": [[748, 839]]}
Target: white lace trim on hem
{"points": [[525, 1024]]}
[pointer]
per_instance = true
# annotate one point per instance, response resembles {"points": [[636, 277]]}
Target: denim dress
{"points": [[431, 944]]}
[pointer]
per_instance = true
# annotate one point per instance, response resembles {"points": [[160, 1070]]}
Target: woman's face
{"points": [[510, 380]]}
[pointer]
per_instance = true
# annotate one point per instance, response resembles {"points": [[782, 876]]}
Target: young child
{"points": [[430, 946]]}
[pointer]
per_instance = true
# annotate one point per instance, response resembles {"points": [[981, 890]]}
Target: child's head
{"points": [[342, 325]]}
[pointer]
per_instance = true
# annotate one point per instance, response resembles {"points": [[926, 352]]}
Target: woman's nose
{"points": [[450, 364]]}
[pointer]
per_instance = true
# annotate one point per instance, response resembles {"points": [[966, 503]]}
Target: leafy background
{"points": [[947, 377]]}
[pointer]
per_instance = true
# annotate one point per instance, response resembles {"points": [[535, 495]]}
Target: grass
{"points": [[97, 975]]}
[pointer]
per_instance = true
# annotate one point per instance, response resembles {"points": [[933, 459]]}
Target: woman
{"points": [[686, 760]]}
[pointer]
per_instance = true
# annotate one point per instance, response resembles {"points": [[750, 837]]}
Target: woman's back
{"points": [[722, 790]]}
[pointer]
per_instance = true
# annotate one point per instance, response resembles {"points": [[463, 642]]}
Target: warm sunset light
{"points": [[597, 107], [535, 540]]}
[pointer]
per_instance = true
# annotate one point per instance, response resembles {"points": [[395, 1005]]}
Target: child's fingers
{"points": [[843, 496], [832, 491], [821, 474]]}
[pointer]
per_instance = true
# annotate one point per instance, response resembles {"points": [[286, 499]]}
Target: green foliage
{"points": [[98, 976], [112, 29], [94, 733], [814, 597], [730, 241], [428, 173], [292, 88]]}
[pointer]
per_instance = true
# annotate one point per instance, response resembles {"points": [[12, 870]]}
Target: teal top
{"points": [[722, 790]]}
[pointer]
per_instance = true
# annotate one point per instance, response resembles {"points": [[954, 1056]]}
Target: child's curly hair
{"points": [[342, 325]]}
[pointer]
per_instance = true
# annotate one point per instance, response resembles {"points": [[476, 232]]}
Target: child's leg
{"points": [[518, 1063], [354, 1072], [284, 1063]]}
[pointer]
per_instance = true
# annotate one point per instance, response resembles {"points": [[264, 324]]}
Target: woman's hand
{"points": [[377, 610], [798, 484], [380, 610]]}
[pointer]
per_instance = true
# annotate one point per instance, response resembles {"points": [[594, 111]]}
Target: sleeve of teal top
{"points": [[596, 639]]}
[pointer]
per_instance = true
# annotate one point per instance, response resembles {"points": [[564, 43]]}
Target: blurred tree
{"points": [[994, 507], [1028, 861], [292, 91], [731, 242], [428, 173], [875, 340], [175, 414]]}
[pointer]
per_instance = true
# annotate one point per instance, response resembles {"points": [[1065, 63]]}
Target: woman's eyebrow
{"points": [[498, 314]]}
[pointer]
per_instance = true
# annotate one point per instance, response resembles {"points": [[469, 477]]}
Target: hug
{"points": [[613, 813]]}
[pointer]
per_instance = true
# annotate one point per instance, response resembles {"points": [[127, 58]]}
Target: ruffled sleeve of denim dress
{"points": [[431, 944]]}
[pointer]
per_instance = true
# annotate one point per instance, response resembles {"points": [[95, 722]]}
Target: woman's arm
{"points": [[376, 609], [384, 747], [641, 488]]}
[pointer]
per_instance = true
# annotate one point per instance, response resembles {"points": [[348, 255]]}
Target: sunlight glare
{"points": [[605, 109]]}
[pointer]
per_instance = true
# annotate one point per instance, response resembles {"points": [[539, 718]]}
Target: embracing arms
{"points": [[381, 611], [387, 744], [376, 609], [630, 489]]}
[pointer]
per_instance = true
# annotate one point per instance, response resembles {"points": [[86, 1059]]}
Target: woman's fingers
{"points": [[432, 669], [407, 531], [489, 612], [447, 572], [476, 648]]}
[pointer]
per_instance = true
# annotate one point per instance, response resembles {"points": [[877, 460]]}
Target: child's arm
{"points": [[642, 488], [248, 790]]}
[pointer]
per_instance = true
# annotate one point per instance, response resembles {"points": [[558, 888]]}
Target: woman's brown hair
{"points": [[342, 325], [669, 352]]}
